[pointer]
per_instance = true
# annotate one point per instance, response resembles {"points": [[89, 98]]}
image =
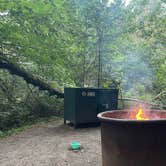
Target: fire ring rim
{"points": [[117, 120]]}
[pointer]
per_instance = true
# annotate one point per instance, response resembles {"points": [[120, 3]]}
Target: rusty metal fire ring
{"points": [[127, 142]]}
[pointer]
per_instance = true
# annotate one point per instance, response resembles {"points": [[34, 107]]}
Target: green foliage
{"points": [[22, 103], [27, 125]]}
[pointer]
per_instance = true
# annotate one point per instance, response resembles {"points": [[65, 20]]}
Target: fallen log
{"points": [[29, 78]]}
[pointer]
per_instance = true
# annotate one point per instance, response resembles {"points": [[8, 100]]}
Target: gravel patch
{"points": [[48, 145]]}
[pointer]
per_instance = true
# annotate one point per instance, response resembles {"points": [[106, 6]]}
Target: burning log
{"points": [[133, 138]]}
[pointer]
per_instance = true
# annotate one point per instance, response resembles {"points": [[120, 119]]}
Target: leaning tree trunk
{"points": [[29, 78]]}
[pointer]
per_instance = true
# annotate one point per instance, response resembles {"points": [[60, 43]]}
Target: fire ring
{"points": [[130, 142]]}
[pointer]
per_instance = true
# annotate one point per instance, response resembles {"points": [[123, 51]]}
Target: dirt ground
{"points": [[47, 145]]}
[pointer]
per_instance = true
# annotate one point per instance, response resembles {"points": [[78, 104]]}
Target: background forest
{"points": [[52, 44]]}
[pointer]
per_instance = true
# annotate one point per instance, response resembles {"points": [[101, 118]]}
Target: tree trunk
{"points": [[29, 78]]}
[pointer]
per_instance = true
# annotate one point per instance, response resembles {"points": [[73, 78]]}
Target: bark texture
{"points": [[29, 78]]}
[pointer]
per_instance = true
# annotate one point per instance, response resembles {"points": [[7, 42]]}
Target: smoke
{"points": [[137, 76]]}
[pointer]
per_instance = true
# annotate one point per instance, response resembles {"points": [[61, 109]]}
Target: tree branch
{"points": [[29, 78]]}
